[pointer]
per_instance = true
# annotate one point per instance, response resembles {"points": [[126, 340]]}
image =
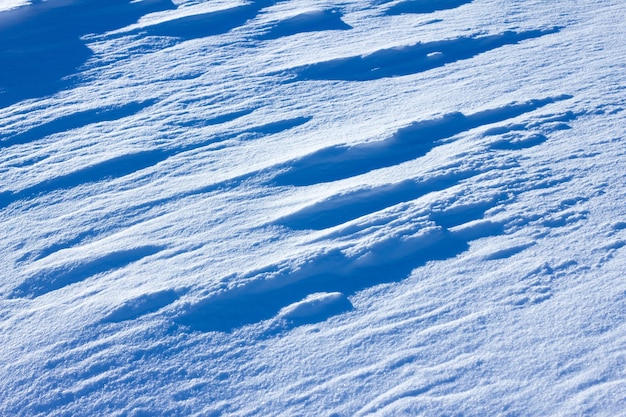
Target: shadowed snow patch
{"points": [[49, 35], [312, 21], [508, 252], [424, 6], [407, 143], [619, 226], [412, 59], [285, 289]]}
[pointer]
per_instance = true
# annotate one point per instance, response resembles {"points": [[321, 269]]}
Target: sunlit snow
{"points": [[319, 208]]}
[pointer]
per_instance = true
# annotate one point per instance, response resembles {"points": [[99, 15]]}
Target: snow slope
{"points": [[324, 208]]}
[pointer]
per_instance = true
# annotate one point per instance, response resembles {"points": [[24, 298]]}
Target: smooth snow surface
{"points": [[320, 208]]}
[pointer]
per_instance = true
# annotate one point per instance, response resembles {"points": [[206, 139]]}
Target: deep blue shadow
{"points": [[424, 6], [208, 24], [307, 22], [339, 162], [279, 126], [411, 59], [232, 310], [41, 44]]}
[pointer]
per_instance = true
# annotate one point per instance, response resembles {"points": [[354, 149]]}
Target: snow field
{"points": [[312, 208]]}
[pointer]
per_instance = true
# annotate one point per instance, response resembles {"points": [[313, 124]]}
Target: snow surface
{"points": [[324, 208], [12, 4]]}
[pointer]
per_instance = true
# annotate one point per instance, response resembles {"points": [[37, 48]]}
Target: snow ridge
{"points": [[312, 208]]}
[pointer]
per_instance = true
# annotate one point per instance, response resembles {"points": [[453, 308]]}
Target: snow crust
{"points": [[324, 208]]}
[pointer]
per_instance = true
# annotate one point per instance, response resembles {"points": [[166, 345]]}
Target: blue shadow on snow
{"points": [[40, 44], [56, 278], [75, 121], [345, 207], [413, 59], [424, 6], [233, 309], [343, 161], [314, 21], [126, 164], [208, 24], [391, 260]]}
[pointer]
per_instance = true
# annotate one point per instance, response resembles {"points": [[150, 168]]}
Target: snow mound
{"points": [[315, 306]]}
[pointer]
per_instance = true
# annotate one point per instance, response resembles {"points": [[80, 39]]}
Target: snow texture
{"points": [[321, 208]]}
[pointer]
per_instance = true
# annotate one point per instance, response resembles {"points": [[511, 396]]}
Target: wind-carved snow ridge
{"points": [[383, 207], [415, 140], [74, 121], [412, 59], [129, 163], [439, 230], [336, 271], [407, 143], [212, 23]]}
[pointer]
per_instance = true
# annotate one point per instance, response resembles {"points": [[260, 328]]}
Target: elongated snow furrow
{"points": [[43, 36], [407, 143], [413, 59]]}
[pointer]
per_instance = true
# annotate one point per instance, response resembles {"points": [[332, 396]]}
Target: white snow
{"points": [[324, 208], [12, 4]]}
